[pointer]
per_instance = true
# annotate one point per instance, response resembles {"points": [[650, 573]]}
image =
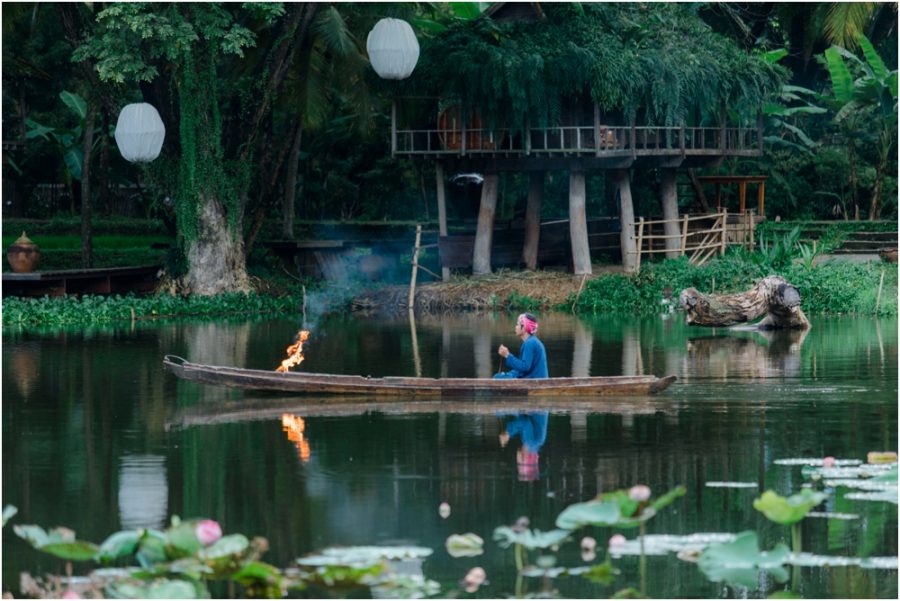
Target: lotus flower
{"points": [[639, 493], [208, 532], [828, 462], [444, 510], [588, 549], [474, 579], [70, 594], [617, 540]]}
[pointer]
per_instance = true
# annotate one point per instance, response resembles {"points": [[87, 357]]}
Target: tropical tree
{"points": [[870, 97], [188, 59]]}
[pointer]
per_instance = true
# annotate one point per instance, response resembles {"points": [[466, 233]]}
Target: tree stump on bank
{"points": [[772, 296]]}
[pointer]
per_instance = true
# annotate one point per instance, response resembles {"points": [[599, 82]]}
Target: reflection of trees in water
{"points": [[764, 354]]}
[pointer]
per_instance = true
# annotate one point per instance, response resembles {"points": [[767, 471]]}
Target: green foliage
{"points": [[530, 539], [739, 562], [615, 508], [665, 62], [790, 510], [71, 225], [90, 309], [523, 302]]}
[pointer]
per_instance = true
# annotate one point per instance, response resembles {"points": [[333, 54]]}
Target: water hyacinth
{"points": [[208, 532]]}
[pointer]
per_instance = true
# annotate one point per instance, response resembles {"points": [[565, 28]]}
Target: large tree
{"points": [[189, 59]]}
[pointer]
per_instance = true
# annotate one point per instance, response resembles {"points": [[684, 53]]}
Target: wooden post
{"points": [[633, 145], [761, 198], [626, 219], [742, 196], [669, 193], [394, 129], [415, 269], [752, 232], [722, 131], [880, 286], [724, 230], [442, 211], [533, 219], [417, 361], [684, 234], [481, 257], [596, 130], [581, 252], [640, 244]]}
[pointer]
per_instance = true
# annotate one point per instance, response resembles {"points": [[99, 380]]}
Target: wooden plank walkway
{"points": [[104, 280]]}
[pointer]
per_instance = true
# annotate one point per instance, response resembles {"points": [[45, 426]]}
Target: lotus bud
{"points": [[444, 510], [828, 462], [639, 493], [474, 579], [208, 532], [588, 549], [70, 594], [521, 524], [617, 540]]}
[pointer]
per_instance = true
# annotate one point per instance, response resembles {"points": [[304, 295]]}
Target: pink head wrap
{"points": [[528, 321]]}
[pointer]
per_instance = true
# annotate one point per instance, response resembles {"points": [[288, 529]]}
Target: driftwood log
{"points": [[772, 297]]}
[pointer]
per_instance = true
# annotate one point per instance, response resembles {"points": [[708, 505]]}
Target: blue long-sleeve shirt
{"points": [[533, 363], [532, 427]]}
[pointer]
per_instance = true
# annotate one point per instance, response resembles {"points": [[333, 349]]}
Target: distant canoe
{"points": [[310, 383]]}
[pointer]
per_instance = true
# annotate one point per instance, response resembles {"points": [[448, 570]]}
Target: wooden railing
{"points": [[700, 242], [582, 140]]}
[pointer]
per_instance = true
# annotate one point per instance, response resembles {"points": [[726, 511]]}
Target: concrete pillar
{"points": [[533, 219], [581, 253], [626, 218], [484, 234], [669, 194], [442, 211]]}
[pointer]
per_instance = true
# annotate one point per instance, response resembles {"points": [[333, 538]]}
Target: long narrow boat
{"points": [[310, 383]]}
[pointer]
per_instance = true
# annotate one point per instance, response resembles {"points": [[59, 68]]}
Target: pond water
{"points": [[98, 437]]}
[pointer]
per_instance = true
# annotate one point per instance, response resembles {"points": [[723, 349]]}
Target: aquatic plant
{"points": [[739, 562]]}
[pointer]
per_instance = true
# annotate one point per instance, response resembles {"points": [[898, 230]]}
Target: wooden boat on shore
{"points": [[310, 383]]}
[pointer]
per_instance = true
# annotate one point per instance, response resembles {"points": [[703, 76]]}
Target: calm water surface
{"points": [[97, 437]]}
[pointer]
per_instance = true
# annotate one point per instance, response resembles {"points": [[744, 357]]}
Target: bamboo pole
{"points": [[415, 269], [417, 361], [880, 286], [684, 233], [640, 243], [724, 229]]}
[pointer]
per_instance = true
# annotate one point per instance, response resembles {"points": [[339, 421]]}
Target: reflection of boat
{"points": [[298, 382]]}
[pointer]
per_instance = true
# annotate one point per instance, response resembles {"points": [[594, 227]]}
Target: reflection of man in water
{"points": [[532, 427]]}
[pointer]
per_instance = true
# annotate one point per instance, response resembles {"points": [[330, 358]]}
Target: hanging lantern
{"points": [[139, 133], [393, 49]]}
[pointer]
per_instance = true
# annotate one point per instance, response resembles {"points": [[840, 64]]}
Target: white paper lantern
{"points": [[140, 133], [393, 49]]}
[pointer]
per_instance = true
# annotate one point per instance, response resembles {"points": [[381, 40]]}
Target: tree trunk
{"points": [[626, 220], [884, 155], [533, 219], [771, 296], [87, 251], [216, 260], [290, 186], [698, 189], [851, 158], [672, 229], [581, 252], [103, 175], [484, 234]]}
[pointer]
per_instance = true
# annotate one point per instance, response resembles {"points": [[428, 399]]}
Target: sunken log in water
{"points": [[772, 297]]}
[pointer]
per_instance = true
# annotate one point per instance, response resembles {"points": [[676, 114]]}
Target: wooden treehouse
{"points": [[464, 145], [577, 136]]}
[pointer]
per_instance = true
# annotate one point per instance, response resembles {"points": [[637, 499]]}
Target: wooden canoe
{"points": [[309, 383]]}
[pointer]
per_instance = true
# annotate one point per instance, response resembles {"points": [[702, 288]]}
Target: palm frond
{"points": [[845, 22], [331, 27], [841, 80]]}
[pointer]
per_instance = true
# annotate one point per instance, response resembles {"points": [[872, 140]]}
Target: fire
{"points": [[294, 426], [294, 352]]}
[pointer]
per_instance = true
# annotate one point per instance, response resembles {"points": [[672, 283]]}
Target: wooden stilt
{"points": [[415, 269]]}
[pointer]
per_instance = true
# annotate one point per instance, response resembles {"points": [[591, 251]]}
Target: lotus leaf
{"points": [[77, 550], [465, 545], [593, 513], [38, 537], [530, 539], [602, 573], [160, 589], [363, 556], [889, 476], [8, 512], [788, 510], [405, 586], [151, 548], [233, 544], [118, 545], [739, 562], [182, 537]]}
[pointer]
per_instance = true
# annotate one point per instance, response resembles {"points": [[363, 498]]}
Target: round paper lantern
{"points": [[393, 49], [139, 133]]}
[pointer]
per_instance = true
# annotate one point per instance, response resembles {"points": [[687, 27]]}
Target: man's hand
{"points": [[503, 351], [504, 438]]}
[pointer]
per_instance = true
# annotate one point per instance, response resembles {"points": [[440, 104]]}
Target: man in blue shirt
{"points": [[533, 360]]}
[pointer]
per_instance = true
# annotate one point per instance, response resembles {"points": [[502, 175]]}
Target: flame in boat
{"points": [[294, 426], [294, 352]]}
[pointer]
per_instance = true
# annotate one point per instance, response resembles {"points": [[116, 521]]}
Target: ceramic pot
{"points": [[23, 255]]}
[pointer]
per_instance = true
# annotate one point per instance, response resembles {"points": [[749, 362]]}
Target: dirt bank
{"points": [[548, 288]]}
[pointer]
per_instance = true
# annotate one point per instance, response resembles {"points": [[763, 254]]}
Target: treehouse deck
{"points": [[599, 146]]}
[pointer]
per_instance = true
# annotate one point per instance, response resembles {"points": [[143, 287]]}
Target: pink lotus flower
{"points": [[639, 493], [617, 540], [70, 594], [474, 579], [828, 462], [208, 532], [444, 510]]}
